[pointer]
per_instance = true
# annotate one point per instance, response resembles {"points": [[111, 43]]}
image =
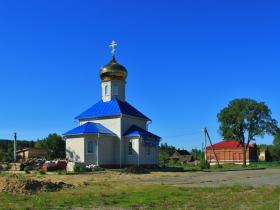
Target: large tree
{"points": [[276, 146], [55, 145], [244, 119]]}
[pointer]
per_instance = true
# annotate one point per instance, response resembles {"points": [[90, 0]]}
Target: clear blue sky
{"points": [[186, 61]]}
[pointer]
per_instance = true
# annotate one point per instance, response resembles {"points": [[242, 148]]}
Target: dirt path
{"points": [[256, 178]]}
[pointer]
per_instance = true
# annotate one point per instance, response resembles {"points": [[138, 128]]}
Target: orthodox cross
{"points": [[113, 46]]}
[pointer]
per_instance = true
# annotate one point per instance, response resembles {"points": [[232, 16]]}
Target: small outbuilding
{"points": [[181, 156], [29, 153]]}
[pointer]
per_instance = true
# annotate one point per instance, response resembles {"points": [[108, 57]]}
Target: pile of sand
{"points": [[15, 184]]}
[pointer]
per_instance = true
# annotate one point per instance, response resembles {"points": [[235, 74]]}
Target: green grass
{"points": [[123, 195]]}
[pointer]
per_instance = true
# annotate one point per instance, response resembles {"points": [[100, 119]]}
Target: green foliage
{"points": [[197, 154], [26, 169], [7, 148], [246, 118], [41, 171], [77, 168], [126, 195], [204, 164], [275, 149], [165, 151], [55, 145]]}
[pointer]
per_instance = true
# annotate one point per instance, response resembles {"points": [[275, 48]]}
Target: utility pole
{"points": [[207, 135], [15, 147], [205, 152]]}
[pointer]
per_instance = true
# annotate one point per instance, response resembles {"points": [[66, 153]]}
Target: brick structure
{"points": [[230, 151]]}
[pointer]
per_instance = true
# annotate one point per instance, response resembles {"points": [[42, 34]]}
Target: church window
{"points": [[90, 147], [115, 90], [148, 150], [130, 147], [106, 90]]}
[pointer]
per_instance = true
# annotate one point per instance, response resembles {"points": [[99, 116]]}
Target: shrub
{"points": [[42, 172], [136, 170], [218, 166], [26, 169], [204, 164], [77, 168]]}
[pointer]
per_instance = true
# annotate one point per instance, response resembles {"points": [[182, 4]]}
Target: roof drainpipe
{"points": [[140, 139], [97, 153], [149, 123], [121, 141]]}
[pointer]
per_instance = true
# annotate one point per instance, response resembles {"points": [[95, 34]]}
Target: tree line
{"points": [[54, 143]]}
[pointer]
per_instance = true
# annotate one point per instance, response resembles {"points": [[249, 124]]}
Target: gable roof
{"points": [[89, 128], [227, 144], [135, 131], [182, 152], [111, 108]]}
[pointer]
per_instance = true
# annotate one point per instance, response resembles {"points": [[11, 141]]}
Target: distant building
{"points": [[262, 155], [230, 151], [181, 156], [29, 153], [112, 133]]}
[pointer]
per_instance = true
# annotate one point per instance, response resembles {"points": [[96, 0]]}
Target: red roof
{"points": [[228, 144]]}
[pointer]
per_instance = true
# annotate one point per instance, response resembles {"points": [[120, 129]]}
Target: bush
{"points": [[77, 168], [218, 166], [136, 170], [80, 168], [204, 164], [42, 172], [26, 169]]}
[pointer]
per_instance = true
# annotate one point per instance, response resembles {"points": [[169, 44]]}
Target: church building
{"points": [[113, 133]]}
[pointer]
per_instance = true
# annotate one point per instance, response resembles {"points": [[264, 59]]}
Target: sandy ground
{"points": [[256, 178]]}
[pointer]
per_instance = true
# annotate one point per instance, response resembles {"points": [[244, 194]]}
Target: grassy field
{"points": [[107, 191]]}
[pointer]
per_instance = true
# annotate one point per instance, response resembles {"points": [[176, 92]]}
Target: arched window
{"points": [[90, 147], [106, 90]]}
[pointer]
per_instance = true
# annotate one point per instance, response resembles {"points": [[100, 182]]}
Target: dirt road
{"points": [[256, 178]]}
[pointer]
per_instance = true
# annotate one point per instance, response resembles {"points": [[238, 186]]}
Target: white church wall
{"points": [[131, 159], [128, 121], [113, 124], [118, 89], [151, 158], [90, 158], [107, 150], [113, 89], [75, 149]]}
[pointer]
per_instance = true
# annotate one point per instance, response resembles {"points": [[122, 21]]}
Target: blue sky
{"points": [[186, 61]]}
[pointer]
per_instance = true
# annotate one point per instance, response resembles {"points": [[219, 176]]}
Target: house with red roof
{"points": [[230, 151]]}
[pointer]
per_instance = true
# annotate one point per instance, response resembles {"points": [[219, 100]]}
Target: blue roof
{"points": [[110, 108], [135, 131], [89, 128]]}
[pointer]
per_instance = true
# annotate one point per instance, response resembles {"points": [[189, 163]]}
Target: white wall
{"points": [[75, 149], [131, 159], [153, 158], [110, 84], [113, 124], [128, 121]]}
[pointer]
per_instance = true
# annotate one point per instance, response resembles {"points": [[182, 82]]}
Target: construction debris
{"points": [[15, 184]]}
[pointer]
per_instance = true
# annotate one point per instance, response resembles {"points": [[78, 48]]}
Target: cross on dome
{"points": [[113, 46]]}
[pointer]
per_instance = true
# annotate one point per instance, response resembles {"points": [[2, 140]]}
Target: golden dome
{"points": [[113, 70]]}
